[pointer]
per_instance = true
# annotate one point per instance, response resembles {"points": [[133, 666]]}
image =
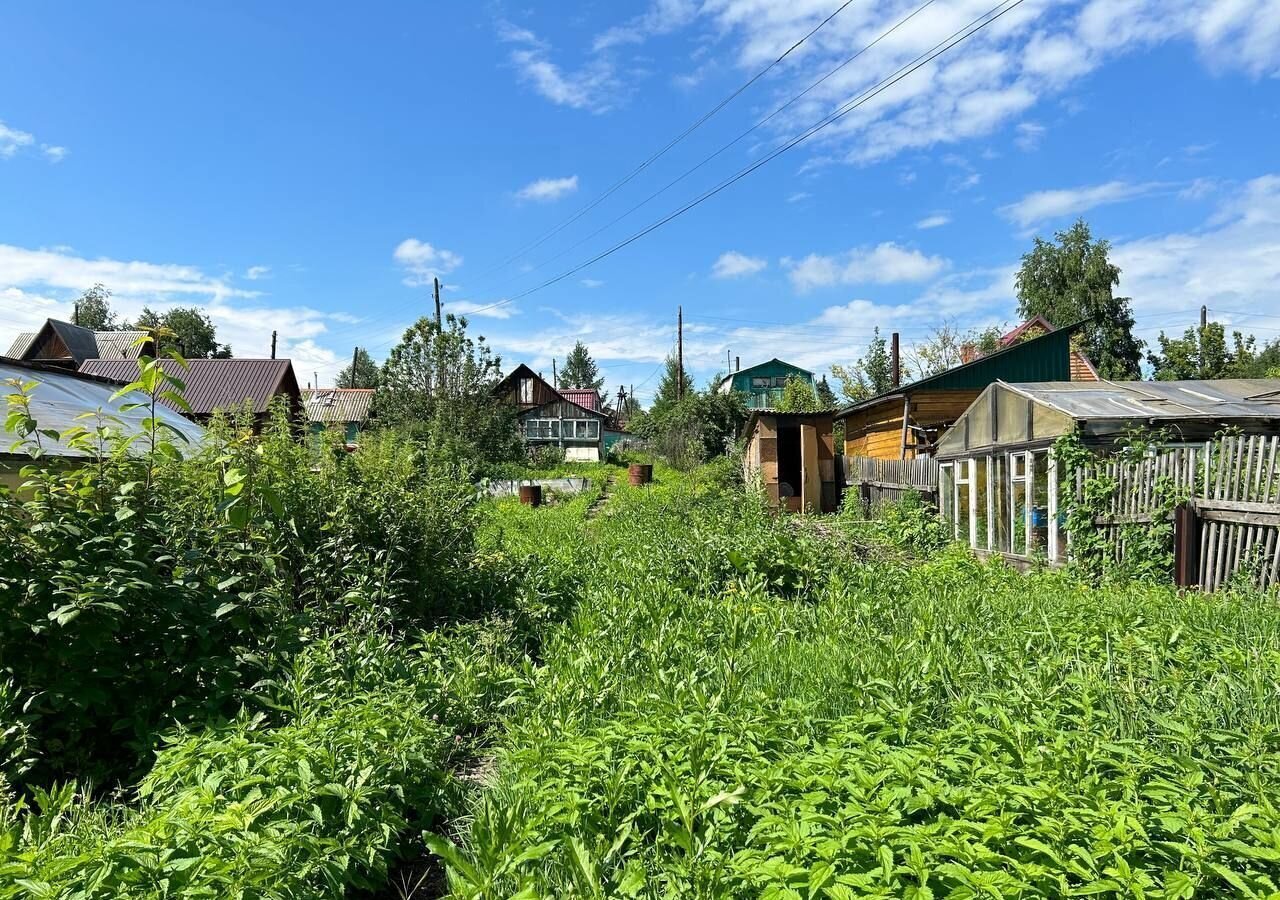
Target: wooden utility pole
{"points": [[555, 379], [728, 359], [437, 293], [273, 345], [355, 355], [895, 361], [680, 352]]}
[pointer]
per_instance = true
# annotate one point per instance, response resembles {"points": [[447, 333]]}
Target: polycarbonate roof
{"points": [[1239, 398]]}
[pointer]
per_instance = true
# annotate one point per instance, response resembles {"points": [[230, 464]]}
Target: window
{"points": [[1019, 500], [526, 390], [580, 428], [1039, 492], [758, 382], [946, 491], [780, 381]]}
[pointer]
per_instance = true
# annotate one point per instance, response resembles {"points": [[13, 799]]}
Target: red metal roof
{"points": [[213, 383], [587, 398]]}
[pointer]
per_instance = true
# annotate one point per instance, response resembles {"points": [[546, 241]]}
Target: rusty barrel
{"points": [[531, 494], [640, 474]]}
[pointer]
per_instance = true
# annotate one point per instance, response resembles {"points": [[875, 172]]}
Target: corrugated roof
{"points": [[337, 404], [21, 344], [587, 398], [1236, 398], [62, 396], [119, 344], [213, 383]]}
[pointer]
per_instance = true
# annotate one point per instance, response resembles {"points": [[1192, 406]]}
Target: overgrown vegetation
{"points": [[261, 668]]}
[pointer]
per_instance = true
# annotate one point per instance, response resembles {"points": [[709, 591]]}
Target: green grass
{"points": [[733, 710]]}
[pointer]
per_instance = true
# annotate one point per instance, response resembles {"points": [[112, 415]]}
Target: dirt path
{"points": [[595, 508]]}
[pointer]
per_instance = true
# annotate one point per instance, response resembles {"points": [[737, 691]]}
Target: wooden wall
{"points": [[876, 431], [818, 462]]}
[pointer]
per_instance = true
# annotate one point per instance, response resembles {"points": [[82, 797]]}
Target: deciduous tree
{"points": [[361, 373], [193, 333], [1073, 280]]}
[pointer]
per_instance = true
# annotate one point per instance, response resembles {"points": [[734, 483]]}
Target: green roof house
{"points": [[762, 384]]}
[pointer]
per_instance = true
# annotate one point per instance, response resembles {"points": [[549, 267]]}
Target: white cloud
{"points": [[254, 273], [593, 87], [591, 283], [937, 220], [1040, 206], [1029, 135], [483, 310], [737, 265], [886, 263], [53, 153], [12, 140], [547, 189], [662, 17], [44, 283], [799, 196], [423, 262]]}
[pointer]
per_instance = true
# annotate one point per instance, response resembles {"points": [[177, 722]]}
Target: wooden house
{"points": [[549, 418], [906, 422], [761, 385], [998, 481], [347, 409], [57, 399], [793, 456], [67, 346], [214, 384]]}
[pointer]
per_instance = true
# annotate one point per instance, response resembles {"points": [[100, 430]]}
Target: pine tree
{"points": [[580, 370], [668, 389]]}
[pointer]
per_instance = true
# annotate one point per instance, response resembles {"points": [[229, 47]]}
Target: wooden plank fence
{"points": [[1230, 523], [886, 480]]}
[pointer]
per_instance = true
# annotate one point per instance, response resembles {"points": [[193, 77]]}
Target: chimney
{"points": [[968, 352], [737, 364], [895, 361]]}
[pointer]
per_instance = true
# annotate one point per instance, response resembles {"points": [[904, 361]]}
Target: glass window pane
{"points": [[1017, 518], [980, 490], [593, 429], [1040, 502], [945, 488], [979, 418], [760, 382], [1000, 502], [555, 428], [962, 511], [1049, 423], [579, 428]]}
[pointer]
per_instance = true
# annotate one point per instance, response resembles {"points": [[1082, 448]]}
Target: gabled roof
{"points": [[120, 344], [80, 342], [1049, 355], [21, 344], [768, 362], [61, 395], [214, 383], [1034, 322], [1219, 399], [587, 398], [520, 371], [337, 404]]}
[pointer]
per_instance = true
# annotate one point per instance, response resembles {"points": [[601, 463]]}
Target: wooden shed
{"points": [[793, 455], [906, 422]]}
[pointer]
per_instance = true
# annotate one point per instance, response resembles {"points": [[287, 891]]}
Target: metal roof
{"points": [[1043, 358], [587, 398], [337, 404], [61, 396], [1237, 398], [21, 344], [119, 344], [213, 383]]}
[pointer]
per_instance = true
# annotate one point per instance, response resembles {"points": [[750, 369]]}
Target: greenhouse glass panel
{"points": [[1011, 415], [1000, 503], [1039, 502], [981, 498]]}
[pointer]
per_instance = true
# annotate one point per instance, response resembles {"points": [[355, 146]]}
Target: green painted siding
{"points": [[1046, 358], [762, 384]]}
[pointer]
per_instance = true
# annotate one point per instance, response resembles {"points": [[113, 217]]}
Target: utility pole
{"points": [[437, 293], [895, 361], [1204, 317], [555, 379], [355, 355], [273, 345], [728, 359], [75, 313], [680, 352], [317, 377]]}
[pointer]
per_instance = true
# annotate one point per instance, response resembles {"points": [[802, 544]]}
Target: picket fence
{"points": [[886, 480]]}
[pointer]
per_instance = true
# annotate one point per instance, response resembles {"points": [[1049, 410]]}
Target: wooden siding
{"points": [[876, 432], [818, 488]]}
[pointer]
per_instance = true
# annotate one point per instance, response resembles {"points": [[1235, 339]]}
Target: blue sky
{"points": [[309, 171]]}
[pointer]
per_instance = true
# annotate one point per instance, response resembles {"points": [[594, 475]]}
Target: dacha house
{"points": [[345, 409], [67, 346], [761, 385], [572, 420]]}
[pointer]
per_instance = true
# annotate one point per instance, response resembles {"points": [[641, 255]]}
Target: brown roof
{"points": [[214, 383], [337, 404]]}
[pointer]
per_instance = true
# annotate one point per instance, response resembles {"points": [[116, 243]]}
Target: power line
{"points": [[842, 111], [672, 143], [759, 124]]}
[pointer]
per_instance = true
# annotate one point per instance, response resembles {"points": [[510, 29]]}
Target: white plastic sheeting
{"points": [[60, 397]]}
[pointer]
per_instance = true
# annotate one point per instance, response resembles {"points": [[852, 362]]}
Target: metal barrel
{"points": [[531, 494], [639, 474]]}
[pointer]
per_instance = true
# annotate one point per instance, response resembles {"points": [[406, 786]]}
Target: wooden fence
{"points": [[882, 480], [1229, 525]]}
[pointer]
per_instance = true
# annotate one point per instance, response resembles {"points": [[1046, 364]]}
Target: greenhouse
{"points": [[998, 483]]}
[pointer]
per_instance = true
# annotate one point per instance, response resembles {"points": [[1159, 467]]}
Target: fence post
{"points": [[865, 490], [1186, 546]]}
